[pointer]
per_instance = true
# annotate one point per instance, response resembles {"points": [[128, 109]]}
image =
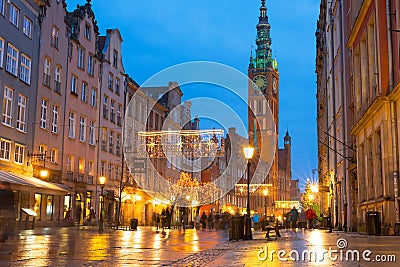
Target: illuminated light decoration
{"points": [[183, 143], [259, 189]]}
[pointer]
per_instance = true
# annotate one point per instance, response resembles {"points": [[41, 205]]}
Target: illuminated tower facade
{"points": [[263, 92]]}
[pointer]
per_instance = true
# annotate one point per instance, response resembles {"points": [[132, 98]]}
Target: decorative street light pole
{"points": [[102, 181], [265, 192], [248, 154]]}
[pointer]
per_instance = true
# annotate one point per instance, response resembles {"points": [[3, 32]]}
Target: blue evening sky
{"points": [[158, 34]]}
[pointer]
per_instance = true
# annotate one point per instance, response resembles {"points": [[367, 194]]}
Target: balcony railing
{"points": [[69, 176], [80, 177], [90, 179]]}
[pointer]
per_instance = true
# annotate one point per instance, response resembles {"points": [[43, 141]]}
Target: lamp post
{"points": [[248, 154], [265, 192], [102, 181]]}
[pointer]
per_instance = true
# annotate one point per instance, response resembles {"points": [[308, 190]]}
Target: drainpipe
{"points": [[393, 114], [332, 46], [344, 124]]}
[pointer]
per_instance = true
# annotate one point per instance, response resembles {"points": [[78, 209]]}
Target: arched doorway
{"points": [[149, 216]]}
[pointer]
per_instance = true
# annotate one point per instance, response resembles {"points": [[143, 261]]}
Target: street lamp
{"points": [[102, 181], [265, 192], [248, 154]]}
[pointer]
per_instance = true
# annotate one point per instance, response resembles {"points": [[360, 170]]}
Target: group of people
{"points": [[163, 220]]}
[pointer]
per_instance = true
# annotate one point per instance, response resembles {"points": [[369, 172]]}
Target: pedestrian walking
{"points": [[210, 221], [203, 220], [293, 217], [197, 220], [158, 220], [310, 215], [256, 219]]}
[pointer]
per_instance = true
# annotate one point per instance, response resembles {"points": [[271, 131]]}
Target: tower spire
{"points": [[263, 41]]}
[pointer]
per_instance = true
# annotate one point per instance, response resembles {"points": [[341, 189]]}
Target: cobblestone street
{"points": [[145, 247]]}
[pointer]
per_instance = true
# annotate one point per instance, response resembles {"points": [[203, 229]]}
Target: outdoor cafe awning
{"points": [[15, 182]]}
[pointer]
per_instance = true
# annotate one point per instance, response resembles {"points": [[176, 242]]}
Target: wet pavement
{"points": [[84, 246]]}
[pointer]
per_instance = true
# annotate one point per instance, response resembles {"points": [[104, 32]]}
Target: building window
{"points": [[71, 125], [110, 81], [90, 167], [42, 150], [49, 208], [104, 138], [118, 145], [2, 7], [25, 69], [1, 51], [43, 114], [19, 154], [82, 129], [7, 106], [84, 92], [14, 15], [93, 97], [81, 57], [57, 79], [105, 109], [117, 85], [21, 118], [110, 167], [46, 70], [102, 168], [70, 163], [112, 110], [54, 37], [111, 142], [87, 31], [91, 65], [115, 58], [53, 155], [27, 29], [91, 132], [81, 165], [5, 146], [74, 85], [12, 59], [119, 122], [54, 123]]}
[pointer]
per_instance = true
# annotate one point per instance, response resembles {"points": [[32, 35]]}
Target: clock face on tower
{"points": [[260, 81]]}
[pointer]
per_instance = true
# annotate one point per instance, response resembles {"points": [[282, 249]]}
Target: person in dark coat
{"points": [[203, 220]]}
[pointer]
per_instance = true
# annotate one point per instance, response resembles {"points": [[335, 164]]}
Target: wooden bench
{"points": [[272, 228]]}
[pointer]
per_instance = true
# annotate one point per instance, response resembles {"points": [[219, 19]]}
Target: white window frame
{"points": [[71, 124], [21, 116], [81, 57], [87, 31], [12, 60], [91, 64], [112, 110], [44, 104], [54, 36], [14, 15], [54, 155], [82, 129], [84, 92], [19, 153], [110, 81], [111, 142], [27, 27], [57, 79], [92, 128], [1, 50], [8, 106], [5, 149], [2, 5], [54, 121], [46, 71], [25, 69], [74, 84], [93, 97]]}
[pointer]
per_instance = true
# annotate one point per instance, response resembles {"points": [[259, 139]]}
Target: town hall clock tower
{"points": [[263, 92]]}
